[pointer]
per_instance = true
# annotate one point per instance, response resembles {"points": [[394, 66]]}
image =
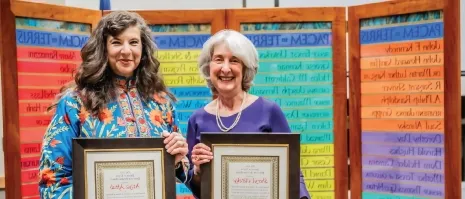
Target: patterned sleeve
{"points": [[181, 172], [55, 160]]}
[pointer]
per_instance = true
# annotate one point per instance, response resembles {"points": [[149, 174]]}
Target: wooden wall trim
{"points": [[452, 100], [2, 182], [9, 78], [214, 17], [56, 12], [234, 16]]}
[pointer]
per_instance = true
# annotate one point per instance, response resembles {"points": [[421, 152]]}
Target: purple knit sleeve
{"points": [[192, 138]]}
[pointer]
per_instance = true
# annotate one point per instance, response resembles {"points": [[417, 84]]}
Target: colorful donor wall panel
{"points": [[402, 106], [48, 52], [179, 48], [296, 72]]}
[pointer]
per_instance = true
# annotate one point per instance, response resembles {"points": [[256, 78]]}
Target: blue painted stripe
{"points": [[304, 66], [402, 33], [270, 91], [182, 105], [183, 128], [181, 189], [184, 116], [290, 78], [50, 39], [187, 41], [277, 54], [309, 126], [191, 91], [298, 101], [373, 195], [290, 39], [301, 114]]}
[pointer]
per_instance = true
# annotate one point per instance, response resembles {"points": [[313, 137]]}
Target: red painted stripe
{"points": [[30, 163], [34, 121], [46, 67], [30, 189], [37, 94], [43, 80], [48, 54], [35, 135], [30, 176], [30, 148]]}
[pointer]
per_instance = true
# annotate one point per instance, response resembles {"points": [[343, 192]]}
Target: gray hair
{"points": [[240, 46]]}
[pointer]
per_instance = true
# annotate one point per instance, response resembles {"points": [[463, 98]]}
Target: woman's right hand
{"points": [[201, 154]]}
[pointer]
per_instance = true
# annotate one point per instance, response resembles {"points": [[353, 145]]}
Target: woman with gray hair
{"points": [[229, 63]]}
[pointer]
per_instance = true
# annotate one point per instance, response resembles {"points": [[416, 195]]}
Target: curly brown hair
{"points": [[94, 78]]}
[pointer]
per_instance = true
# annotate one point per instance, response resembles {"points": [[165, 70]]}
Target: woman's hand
{"points": [[201, 154], [175, 144]]}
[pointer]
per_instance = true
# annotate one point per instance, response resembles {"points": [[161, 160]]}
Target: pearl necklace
{"points": [[220, 124]]}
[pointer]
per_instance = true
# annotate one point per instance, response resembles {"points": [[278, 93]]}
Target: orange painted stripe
{"points": [[403, 112], [46, 67], [418, 73], [48, 54], [403, 86], [37, 94], [433, 59], [34, 121], [34, 107], [32, 135], [398, 125], [425, 46], [414, 99], [30, 176], [43, 80]]}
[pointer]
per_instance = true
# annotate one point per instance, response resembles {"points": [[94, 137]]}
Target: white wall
{"points": [[89, 4], [212, 4], [174, 4]]}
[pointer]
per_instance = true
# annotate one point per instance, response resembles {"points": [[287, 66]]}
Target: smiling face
{"points": [[225, 71], [125, 51]]}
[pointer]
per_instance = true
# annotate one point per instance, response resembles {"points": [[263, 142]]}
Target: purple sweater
{"points": [[261, 116]]}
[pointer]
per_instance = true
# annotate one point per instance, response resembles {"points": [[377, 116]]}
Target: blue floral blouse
{"points": [[127, 116]]}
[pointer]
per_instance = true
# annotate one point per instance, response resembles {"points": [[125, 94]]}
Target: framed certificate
{"points": [[122, 168], [252, 165]]}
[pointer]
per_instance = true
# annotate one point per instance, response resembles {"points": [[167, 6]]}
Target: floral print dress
{"points": [[127, 116]]}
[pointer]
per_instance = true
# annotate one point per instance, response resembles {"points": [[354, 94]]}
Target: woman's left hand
{"points": [[175, 144]]}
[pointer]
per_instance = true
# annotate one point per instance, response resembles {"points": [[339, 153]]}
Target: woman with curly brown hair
{"points": [[117, 92]]}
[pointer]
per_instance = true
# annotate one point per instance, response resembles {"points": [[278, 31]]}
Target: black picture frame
{"points": [[81, 145], [292, 140]]}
